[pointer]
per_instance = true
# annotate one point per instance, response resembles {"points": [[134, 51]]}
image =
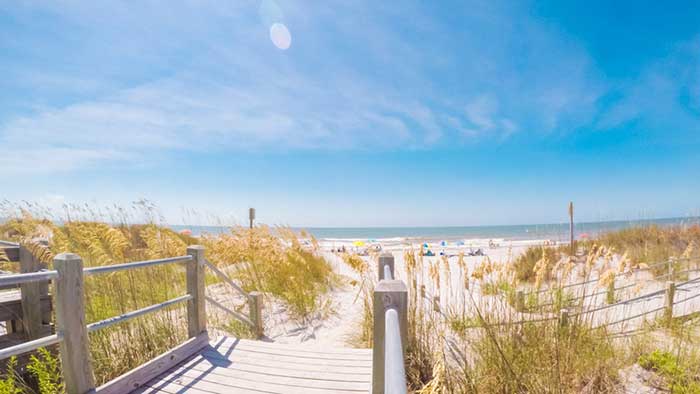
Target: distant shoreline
{"points": [[555, 231]]}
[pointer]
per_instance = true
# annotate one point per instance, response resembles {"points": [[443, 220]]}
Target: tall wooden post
{"points": [[668, 301], [255, 304], [571, 228], [196, 307], [70, 324], [31, 294], [388, 294], [251, 216]]}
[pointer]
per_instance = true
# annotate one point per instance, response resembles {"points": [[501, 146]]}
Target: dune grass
{"points": [[653, 244], [479, 344]]}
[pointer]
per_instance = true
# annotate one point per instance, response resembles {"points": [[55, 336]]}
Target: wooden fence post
{"points": [[519, 301], [387, 294], [255, 304], [196, 312], [610, 295], [668, 302], [70, 324], [30, 295], [436, 303], [571, 229], [385, 259], [564, 318]]}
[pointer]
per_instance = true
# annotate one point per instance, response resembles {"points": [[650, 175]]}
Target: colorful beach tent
{"points": [[425, 245], [443, 243]]}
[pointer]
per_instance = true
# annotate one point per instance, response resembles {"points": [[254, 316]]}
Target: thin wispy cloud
{"points": [[208, 77]]}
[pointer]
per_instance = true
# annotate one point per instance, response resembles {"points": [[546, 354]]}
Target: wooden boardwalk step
{"points": [[231, 365]]}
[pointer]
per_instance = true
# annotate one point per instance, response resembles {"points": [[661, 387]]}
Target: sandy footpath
{"points": [[342, 324]]}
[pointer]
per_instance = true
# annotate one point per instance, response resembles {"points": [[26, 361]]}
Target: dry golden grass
{"points": [[473, 345], [652, 244]]}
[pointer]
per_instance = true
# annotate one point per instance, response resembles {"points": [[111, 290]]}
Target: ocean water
{"points": [[556, 231]]}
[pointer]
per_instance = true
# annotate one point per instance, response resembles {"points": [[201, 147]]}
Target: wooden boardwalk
{"points": [[230, 365], [198, 365]]}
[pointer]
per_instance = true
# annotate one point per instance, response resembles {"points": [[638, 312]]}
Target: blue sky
{"points": [[378, 113]]}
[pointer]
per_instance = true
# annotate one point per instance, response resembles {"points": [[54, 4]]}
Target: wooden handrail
{"points": [[29, 346], [134, 314], [30, 277], [390, 330], [137, 264]]}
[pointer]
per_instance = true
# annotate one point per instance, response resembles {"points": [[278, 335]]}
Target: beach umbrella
{"points": [[186, 232], [443, 243], [425, 245], [358, 243]]}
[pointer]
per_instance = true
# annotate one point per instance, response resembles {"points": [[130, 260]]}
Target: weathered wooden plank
{"points": [[294, 347], [205, 361], [271, 375], [245, 358], [285, 351], [220, 384], [148, 371], [174, 388], [292, 362]]}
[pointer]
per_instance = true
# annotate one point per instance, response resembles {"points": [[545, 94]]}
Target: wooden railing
{"points": [[390, 331], [72, 330]]}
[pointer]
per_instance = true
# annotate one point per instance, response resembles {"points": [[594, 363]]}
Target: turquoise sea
{"points": [[554, 231]]}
